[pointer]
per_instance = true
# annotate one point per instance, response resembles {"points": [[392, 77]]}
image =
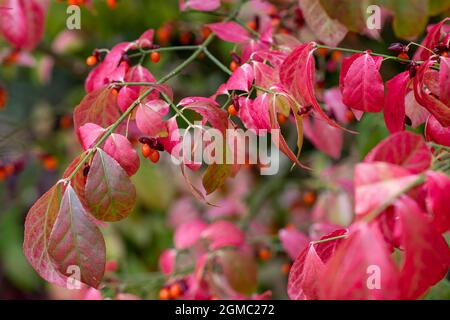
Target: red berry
{"points": [[3, 98], [264, 254], [403, 56], [155, 57], [112, 4], [154, 156], [91, 61], [309, 198], [282, 118]]}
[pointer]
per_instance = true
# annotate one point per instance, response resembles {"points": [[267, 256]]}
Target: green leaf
{"points": [[215, 176], [438, 6], [76, 246], [110, 195], [411, 17]]}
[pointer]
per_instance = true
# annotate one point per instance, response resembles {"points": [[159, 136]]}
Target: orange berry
{"points": [[337, 56], [2, 174], [275, 22], [50, 163], [264, 254], [234, 65], [445, 54], [115, 92], [112, 4], [164, 294], [252, 25], [3, 97], [146, 150], [403, 56], [232, 110], [309, 198], [349, 116], [322, 52], [285, 268], [154, 156], [205, 31], [282, 118], [65, 122], [185, 38], [91, 61], [155, 57], [175, 291], [163, 35]]}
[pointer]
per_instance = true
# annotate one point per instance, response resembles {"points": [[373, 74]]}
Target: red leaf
{"points": [[394, 104], [209, 110], [98, 107], [427, 98], [427, 255], [363, 85], [435, 132], [38, 226], [76, 242], [241, 79], [438, 193], [110, 194], [293, 241], [255, 115], [188, 234], [109, 70], [297, 75], [121, 149], [150, 118], [405, 149], [431, 40], [229, 31], [324, 137], [347, 274], [89, 133], [222, 234], [78, 182], [22, 25], [200, 5], [379, 184], [306, 272], [444, 80]]}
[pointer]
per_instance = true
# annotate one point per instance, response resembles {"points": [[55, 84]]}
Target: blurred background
{"points": [[39, 92]]}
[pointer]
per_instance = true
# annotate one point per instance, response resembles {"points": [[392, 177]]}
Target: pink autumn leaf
{"points": [[146, 39], [431, 40], [107, 71], [333, 100], [241, 79], [230, 31], [297, 75], [394, 107], [255, 116], [127, 95], [438, 193], [426, 98], [414, 111], [150, 118], [306, 272], [121, 149], [444, 81], [362, 254], [405, 149], [22, 25], [167, 261], [293, 241], [188, 234], [377, 184], [435, 132], [222, 234], [324, 137], [200, 5], [209, 110], [363, 87], [89, 134], [427, 256]]}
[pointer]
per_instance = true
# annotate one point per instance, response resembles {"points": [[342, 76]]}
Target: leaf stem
{"points": [[216, 61]]}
